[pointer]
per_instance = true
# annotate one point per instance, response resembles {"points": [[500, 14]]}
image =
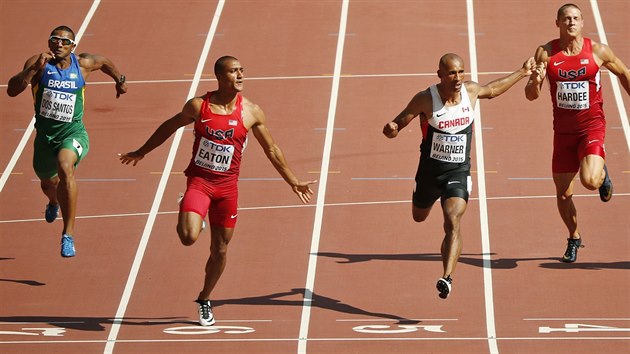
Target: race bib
{"points": [[449, 147], [572, 95], [213, 156], [57, 105]]}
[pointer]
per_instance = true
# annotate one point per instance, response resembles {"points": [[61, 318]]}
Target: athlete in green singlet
{"points": [[57, 78]]}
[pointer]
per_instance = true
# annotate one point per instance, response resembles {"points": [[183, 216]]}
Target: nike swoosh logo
{"points": [[233, 216], [592, 141], [205, 120], [451, 182], [51, 72], [557, 63], [439, 115]]}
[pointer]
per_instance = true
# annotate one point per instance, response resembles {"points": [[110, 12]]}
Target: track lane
{"points": [[527, 233], [265, 276]]}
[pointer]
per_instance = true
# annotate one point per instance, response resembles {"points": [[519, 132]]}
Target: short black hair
{"points": [[218, 65], [63, 28], [564, 7]]}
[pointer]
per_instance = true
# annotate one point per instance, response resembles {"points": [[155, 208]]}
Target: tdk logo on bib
{"points": [[457, 138], [58, 95], [572, 85]]}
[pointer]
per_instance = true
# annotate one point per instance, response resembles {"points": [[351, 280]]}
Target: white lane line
{"points": [[530, 197], [31, 125], [573, 339], [321, 188], [481, 183], [613, 79], [133, 273]]}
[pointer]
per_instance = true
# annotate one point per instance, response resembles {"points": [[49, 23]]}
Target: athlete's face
{"points": [[451, 74], [570, 22], [61, 43], [232, 75]]}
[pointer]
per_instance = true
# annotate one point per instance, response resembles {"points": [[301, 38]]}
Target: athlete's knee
{"points": [[419, 217], [49, 184], [451, 224], [420, 214], [591, 182], [186, 235], [65, 170]]}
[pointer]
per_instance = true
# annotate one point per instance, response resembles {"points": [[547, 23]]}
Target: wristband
{"points": [[122, 79]]}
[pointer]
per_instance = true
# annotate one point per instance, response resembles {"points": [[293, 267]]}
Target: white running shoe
{"points": [[206, 318]]}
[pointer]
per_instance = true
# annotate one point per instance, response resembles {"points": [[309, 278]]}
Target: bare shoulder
{"points": [[253, 115], [423, 97], [192, 108], [602, 51], [252, 108], [543, 52]]}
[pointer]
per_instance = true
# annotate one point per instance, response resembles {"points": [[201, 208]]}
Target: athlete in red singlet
{"points": [[221, 120], [572, 64]]}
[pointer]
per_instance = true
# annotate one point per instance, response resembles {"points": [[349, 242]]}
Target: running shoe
{"points": [[444, 286], [206, 318], [67, 246], [52, 211], [606, 189], [570, 255]]}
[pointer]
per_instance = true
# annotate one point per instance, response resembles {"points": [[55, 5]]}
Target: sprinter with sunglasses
{"points": [[57, 78]]}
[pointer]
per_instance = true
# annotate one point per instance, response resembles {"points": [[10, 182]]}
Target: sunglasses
{"points": [[63, 40]]}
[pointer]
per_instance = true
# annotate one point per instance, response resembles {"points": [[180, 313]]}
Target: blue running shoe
{"points": [[67, 246], [52, 211], [606, 189]]}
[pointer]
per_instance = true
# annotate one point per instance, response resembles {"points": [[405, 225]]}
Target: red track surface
{"points": [[375, 266]]}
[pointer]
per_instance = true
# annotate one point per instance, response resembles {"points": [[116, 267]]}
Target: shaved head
{"points": [[447, 59]]}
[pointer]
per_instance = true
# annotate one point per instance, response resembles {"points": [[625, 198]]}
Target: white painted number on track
{"points": [[577, 327], [198, 330], [48, 332], [385, 329]]}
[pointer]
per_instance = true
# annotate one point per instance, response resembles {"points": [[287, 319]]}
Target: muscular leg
{"points": [[453, 210], [564, 200], [220, 237], [49, 187], [592, 171], [67, 188], [188, 229]]}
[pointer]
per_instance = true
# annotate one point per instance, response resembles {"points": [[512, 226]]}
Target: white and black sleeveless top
{"points": [[447, 135]]}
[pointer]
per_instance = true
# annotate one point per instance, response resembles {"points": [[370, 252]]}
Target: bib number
{"points": [[57, 105], [213, 156], [572, 95], [449, 147]]}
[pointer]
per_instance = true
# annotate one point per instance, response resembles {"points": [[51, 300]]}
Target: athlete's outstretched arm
{"points": [[276, 156], [499, 86], [189, 113]]}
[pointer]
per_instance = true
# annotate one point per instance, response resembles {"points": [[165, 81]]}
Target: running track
{"points": [[351, 272]]}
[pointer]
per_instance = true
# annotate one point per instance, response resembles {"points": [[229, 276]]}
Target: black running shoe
{"points": [[206, 318], [570, 255], [444, 286], [606, 189]]}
